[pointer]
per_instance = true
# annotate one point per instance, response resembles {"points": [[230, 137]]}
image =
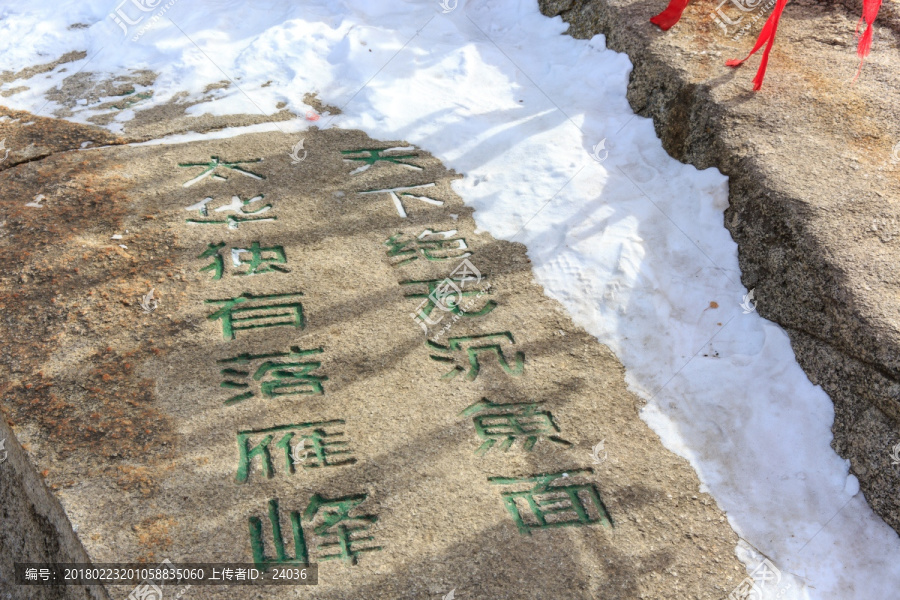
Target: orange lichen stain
{"points": [[154, 534], [133, 478], [104, 414]]}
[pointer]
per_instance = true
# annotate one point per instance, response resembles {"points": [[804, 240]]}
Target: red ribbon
{"points": [[869, 14], [767, 37], [671, 15]]}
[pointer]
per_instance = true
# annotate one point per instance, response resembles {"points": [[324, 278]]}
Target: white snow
{"points": [[631, 242]]}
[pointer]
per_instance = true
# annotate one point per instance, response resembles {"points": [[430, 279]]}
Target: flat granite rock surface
{"points": [[333, 367], [814, 165]]}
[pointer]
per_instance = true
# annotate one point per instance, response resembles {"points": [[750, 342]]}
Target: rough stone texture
{"points": [[33, 528], [26, 138], [813, 187], [121, 411]]}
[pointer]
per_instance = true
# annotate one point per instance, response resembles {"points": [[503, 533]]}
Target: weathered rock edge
{"points": [[34, 528], [782, 250]]}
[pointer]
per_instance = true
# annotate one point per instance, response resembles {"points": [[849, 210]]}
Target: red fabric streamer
{"points": [[671, 15], [869, 14], [767, 37]]}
